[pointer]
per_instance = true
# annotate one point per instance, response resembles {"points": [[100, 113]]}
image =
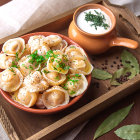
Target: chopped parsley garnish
{"points": [[30, 67], [45, 71], [72, 46], [17, 58], [14, 62], [23, 50], [65, 87], [57, 78], [50, 54], [12, 70], [77, 75], [74, 79], [72, 92], [23, 65], [37, 59], [97, 20]]}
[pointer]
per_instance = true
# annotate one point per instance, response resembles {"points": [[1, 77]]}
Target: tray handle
{"points": [[7, 125]]}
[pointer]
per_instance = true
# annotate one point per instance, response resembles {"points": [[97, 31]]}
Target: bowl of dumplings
{"points": [[43, 72]]}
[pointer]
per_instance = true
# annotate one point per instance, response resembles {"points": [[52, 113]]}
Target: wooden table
{"points": [[133, 118]]}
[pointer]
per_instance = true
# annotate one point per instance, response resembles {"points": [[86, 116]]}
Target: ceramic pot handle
{"points": [[125, 42]]}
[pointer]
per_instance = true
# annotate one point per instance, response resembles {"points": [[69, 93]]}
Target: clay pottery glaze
{"points": [[98, 43]]}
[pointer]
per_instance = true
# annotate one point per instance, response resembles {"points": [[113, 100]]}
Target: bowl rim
{"points": [[54, 110], [86, 6]]}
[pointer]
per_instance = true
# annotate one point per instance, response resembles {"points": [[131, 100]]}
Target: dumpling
{"points": [[35, 82], [58, 62], [61, 46], [10, 79], [79, 64], [75, 84], [24, 97], [78, 60], [14, 46], [6, 61], [39, 103], [26, 51], [53, 78], [53, 40], [73, 50], [26, 67], [39, 43], [55, 97]]}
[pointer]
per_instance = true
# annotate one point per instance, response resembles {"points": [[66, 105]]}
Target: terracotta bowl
{"points": [[98, 43], [45, 111]]}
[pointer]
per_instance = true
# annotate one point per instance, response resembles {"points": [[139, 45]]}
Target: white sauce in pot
{"points": [[87, 25]]}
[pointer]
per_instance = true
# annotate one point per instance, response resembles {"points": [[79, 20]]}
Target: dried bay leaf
{"points": [[122, 72], [129, 132], [112, 121], [101, 74], [129, 60]]}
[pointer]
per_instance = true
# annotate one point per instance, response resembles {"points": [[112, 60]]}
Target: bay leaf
{"points": [[101, 74], [129, 132], [122, 72], [127, 57], [112, 121]]}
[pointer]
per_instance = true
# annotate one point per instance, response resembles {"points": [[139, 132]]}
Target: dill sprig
{"points": [[37, 59], [97, 20], [16, 60]]}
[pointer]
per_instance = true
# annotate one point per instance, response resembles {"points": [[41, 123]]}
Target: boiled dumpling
{"points": [[55, 97], [6, 61], [38, 43], [10, 79], [53, 78], [58, 62], [78, 60], [73, 50], [24, 97], [75, 84], [25, 66], [26, 51], [53, 40], [80, 64], [14, 47], [39, 103], [61, 46], [35, 82]]}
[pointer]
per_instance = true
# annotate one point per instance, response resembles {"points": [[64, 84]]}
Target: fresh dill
{"points": [[97, 19], [37, 59]]}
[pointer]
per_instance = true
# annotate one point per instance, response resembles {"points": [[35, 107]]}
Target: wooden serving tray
{"points": [[21, 125]]}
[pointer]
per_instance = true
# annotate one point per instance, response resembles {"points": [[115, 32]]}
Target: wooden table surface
{"points": [[133, 118]]}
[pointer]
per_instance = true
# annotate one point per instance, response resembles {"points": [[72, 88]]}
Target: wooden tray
{"points": [[22, 125]]}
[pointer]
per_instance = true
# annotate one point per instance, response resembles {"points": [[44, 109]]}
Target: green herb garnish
{"points": [[57, 78], [65, 87], [12, 70], [45, 71], [23, 65], [72, 92], [14, 62], [97, 20], [50, 54], [17, 58], [37, 59]]}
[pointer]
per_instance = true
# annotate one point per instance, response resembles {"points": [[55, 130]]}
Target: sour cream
{"points": [[86, 26]]}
